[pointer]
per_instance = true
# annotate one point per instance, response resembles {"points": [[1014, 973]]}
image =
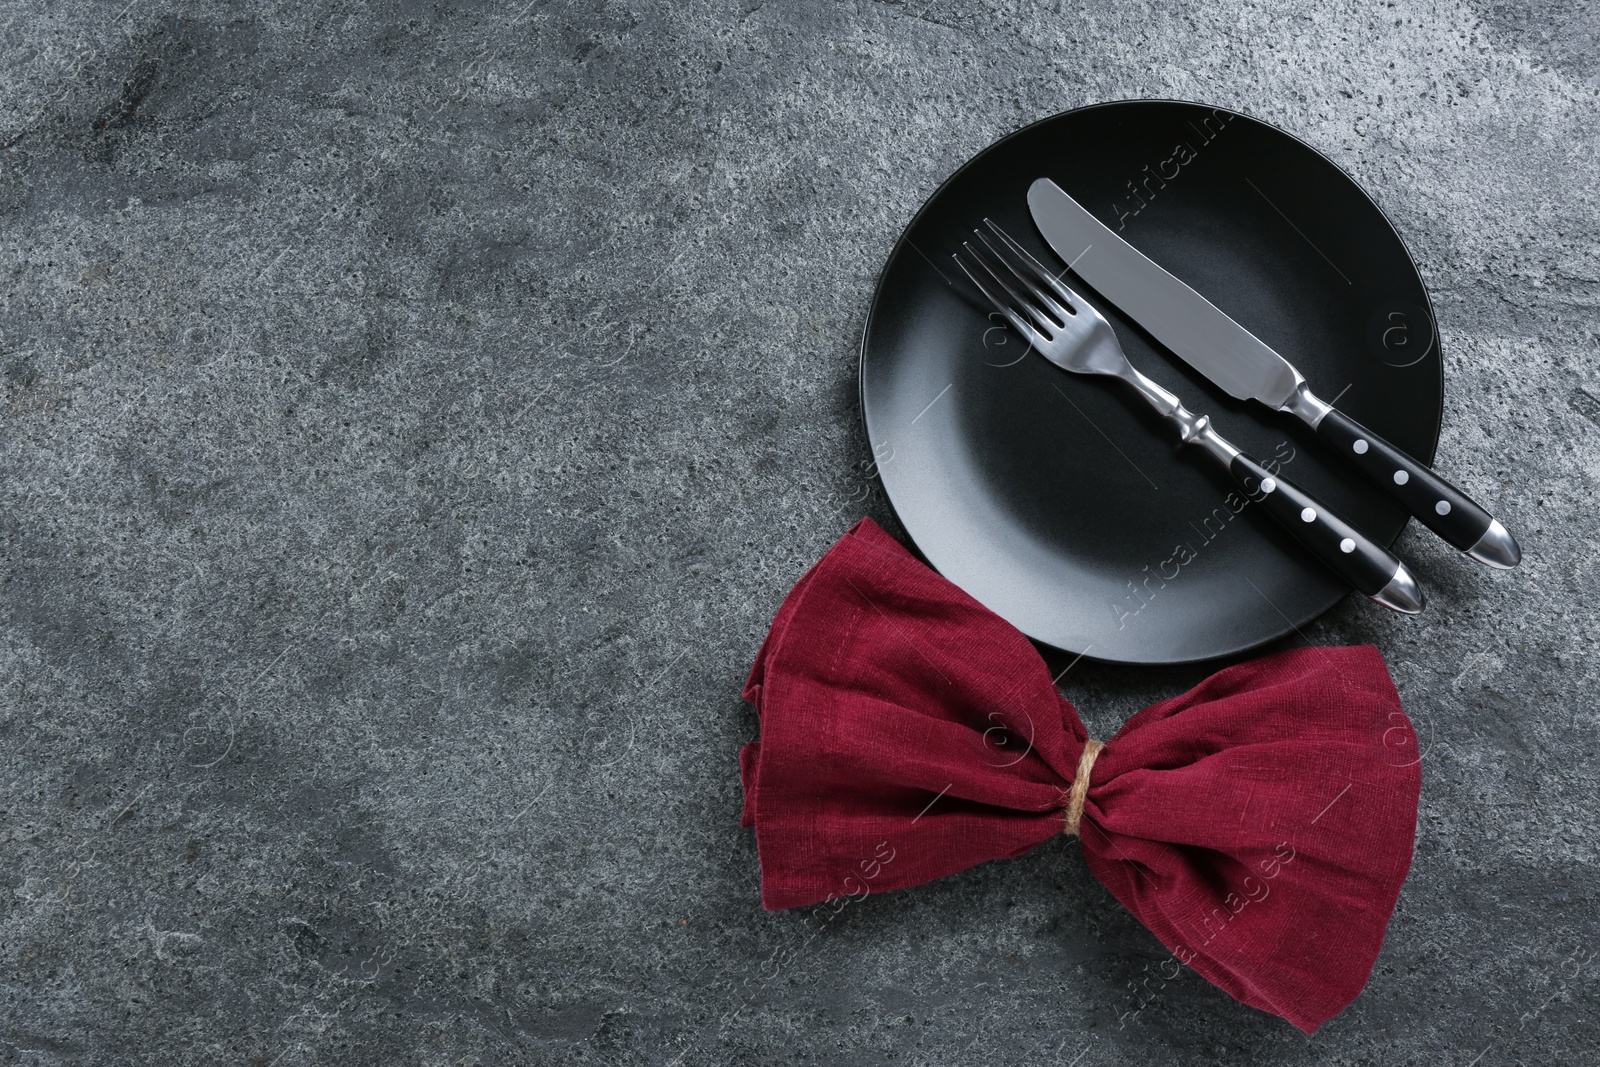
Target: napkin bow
{"points": [[1260, 825]]}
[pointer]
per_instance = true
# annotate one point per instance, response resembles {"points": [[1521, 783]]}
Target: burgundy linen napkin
{"points": [[1260, 825]]}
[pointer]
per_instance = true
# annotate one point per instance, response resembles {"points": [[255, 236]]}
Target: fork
{"points": [[1068, 331]]}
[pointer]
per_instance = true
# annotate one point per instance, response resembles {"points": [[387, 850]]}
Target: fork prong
{"points": [[1055, 284], [1062, 310], [1018, 323], [1028, 307]]}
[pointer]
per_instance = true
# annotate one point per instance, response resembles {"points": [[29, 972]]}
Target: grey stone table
{"points": [[413, 414]]}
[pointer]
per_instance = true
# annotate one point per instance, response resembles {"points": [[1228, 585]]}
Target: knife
{"points": [[1244, 366]]}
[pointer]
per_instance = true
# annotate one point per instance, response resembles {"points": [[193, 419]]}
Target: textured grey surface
{"points": [[413, 414]]}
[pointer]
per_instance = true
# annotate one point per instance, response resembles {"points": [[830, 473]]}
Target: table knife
{"points": [[1244, 366]]}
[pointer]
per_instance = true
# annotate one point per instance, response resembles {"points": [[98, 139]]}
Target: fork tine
{"points": [[1062, 313], [1066, 295], [1018, 323], [1028, 307]]}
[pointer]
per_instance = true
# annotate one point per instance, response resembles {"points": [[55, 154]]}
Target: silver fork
{"points": [[1068, 331]]}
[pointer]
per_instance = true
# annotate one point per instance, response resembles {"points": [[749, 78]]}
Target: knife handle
{"points": [[1357, 558], [1437, 504]]}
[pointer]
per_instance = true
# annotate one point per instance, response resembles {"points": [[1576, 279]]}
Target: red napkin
{"points": [[1260, 825]]}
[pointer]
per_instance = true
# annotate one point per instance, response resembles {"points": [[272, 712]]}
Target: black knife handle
{"points": [[1355, 557], [1437, 504]]}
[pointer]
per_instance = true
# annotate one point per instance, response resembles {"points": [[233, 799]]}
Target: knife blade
{"points": [[1245, 367]]}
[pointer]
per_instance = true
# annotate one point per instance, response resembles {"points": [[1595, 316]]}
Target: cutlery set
{"points": [[1069, 332]]}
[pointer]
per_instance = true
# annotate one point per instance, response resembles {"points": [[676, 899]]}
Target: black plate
{"points": [[1061, 502]]}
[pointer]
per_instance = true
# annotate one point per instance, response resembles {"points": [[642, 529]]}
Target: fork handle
{"points": [[1354, 556], [1357, 558]]}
